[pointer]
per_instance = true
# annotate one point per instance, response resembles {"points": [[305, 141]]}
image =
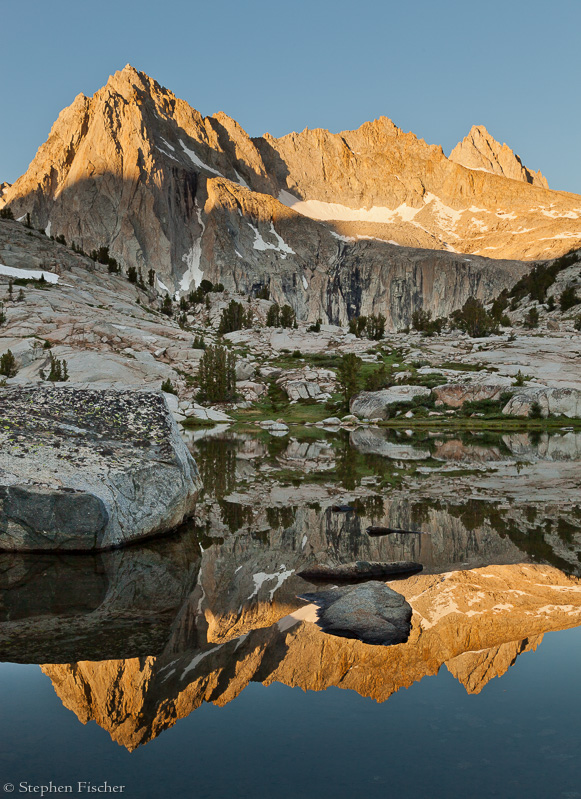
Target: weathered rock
{"points": [[245, 370], [376, 404], [360, 570], [86, 469], [454, 395], [371, 612], [557, 401]]}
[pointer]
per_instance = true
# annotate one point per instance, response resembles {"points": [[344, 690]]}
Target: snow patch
{"points": [[169, 155], [305, 283], [28, 274], [192, 259], [47, 229], [307, 613], [347, 239], [162, 286], [198, 161], [327, 212], [198, 659], [241, 180], [261, 577], [260, 244]]}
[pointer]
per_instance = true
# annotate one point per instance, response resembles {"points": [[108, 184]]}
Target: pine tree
{"points": [[8, 366], [166, 306], [375, 327], [273, 316], [217, 375], [348, 375], [151, 277], [287, 316]]}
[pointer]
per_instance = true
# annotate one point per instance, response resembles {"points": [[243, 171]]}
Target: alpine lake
{"points": [[188, 666]]}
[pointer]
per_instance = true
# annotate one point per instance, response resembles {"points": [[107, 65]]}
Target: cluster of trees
{"points": [[568, 298], [536, 283], [102, 256], [199, 295], [217, 375], [6, 213], [423, 322], [281, 317], [372, 327], [234, 317], [58, 372], [474, 319]]}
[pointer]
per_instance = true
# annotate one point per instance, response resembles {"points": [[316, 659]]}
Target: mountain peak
{"points": [[481, 151]]}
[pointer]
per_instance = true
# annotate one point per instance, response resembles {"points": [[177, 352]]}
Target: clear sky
{"points": [[435, 68]]}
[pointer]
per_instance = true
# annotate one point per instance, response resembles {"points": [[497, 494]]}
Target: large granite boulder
{"points": [[371, 612], [87, 469], [557, 401], [454, 395], [376, 404]]}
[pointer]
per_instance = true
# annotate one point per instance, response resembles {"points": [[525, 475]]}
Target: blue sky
{"points": [[435, 68]]}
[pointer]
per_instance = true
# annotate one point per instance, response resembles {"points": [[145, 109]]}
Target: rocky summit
{"points": [[84, 469], [331, 223], [479, 150]]}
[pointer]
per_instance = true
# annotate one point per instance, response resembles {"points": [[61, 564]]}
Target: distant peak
{"points": [[479, 150]]}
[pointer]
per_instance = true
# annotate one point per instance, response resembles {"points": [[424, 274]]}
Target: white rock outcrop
{"points": [[376, 404]]}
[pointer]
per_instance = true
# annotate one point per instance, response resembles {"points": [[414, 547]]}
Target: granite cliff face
{"points": [[480, 150], [324, 219]]}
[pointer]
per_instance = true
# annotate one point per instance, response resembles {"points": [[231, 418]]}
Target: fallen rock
{"points": [[360, 570], [376, 404], [84, 469], [371, 612]]}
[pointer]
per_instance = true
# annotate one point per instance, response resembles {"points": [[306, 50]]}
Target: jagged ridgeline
{"points": [[365, 222]]}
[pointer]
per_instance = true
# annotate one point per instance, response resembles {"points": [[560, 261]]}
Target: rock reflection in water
{"points": [[475, 622], [149, 633]]}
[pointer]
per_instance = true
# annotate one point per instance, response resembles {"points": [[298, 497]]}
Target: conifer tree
{"points": [[217, 375]]}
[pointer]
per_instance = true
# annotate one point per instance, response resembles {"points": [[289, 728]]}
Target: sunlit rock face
{"points": [[475, 622], [479, 150], [365, 221]]}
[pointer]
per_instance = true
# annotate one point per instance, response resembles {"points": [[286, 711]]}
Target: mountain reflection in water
{"points": [[139, 638]]}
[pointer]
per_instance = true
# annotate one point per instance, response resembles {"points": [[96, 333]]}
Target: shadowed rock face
{"points": [[366, 221], [85, 469], [476, 623]]}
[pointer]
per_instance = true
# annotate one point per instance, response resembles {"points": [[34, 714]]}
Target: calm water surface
{"points": [[173, 668]]}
